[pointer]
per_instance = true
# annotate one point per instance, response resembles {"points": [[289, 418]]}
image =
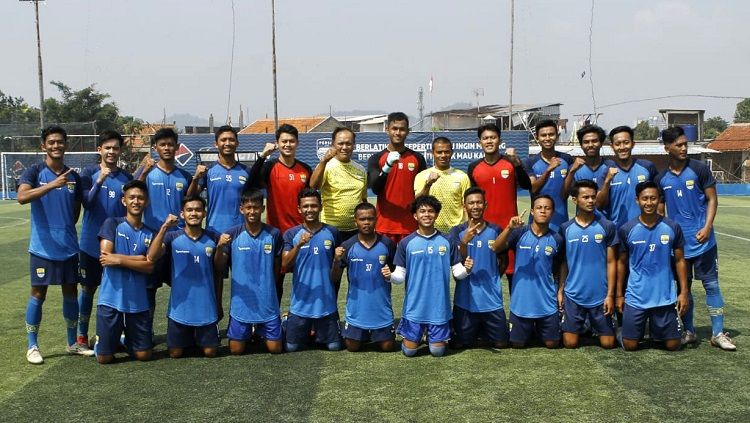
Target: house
{"points": [[733, 162], [303, 125], [525, 116]]}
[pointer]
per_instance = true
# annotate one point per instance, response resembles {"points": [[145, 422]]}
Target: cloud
{"points": [[669, 13]]}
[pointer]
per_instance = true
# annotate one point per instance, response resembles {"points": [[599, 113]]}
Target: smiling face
{"points": [[227, 143], [425, 216], [344, 146], [474, 204], [193, 213], [648, 201], [309, 208], [489, 141], [134, 200], [591, 144], [54, 146], [622, 145], [547, 137], [287, 145], [110, 152], [441, 153]]}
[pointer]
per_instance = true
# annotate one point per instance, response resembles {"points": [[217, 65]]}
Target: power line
{"points": [[231, 63], [672, 96]]}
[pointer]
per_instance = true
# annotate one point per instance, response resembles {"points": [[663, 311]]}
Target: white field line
{"points": [[21, 220], [733, 236]]}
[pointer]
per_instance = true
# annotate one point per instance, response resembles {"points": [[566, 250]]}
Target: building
{"points": [[525, 116], [732, 164], [690, 119], [303, 125]]}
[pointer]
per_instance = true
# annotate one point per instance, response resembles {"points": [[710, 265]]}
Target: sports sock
{"points": [[33, 318], [715, 303], [151, 292], [409, 352], [334, 346], [70, 314], [437, 350], [687, 319], [85, 303], [291, 347]]}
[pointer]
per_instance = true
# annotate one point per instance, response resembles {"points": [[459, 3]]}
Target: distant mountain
{"points": [[182, 120]]}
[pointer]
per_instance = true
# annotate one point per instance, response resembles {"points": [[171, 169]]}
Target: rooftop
{"points": [[735, 138]]}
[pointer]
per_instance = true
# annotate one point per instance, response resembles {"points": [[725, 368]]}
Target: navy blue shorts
{"points": [[704, 267], [45, 272], [239, 331], [355, 333], [110, 324], [90, 270], [182, 336], [326, 329], [663, 322], [468, 325], [413, 332], [574, 316], [545, 328]]}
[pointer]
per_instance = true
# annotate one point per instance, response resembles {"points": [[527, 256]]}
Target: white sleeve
{"points": [[459, 271], [398, 276]]}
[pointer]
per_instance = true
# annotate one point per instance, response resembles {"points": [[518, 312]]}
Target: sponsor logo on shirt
{"points": [[182, 251], [664, 239], [524, 247], [598, 238], [179, 186], [641, 178], [417, 252], [327, 244], [690, 184], [381, 259], [638, 242], [40, 272], [218, 178], [505, 173], [209, 251], [548, 250], [442, 250], [267, 248]]}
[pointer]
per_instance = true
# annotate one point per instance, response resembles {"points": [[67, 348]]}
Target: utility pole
{"points": [[39, 64], [420, 107], [478, 92], [510, 94], [273, 48]]}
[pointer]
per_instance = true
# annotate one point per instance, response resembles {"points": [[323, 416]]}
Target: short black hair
{"points": [[54, 129], [623, 128], [164, 133], [426, 200], [308, 193], [137, 184], [588, 129], [251, 195], [364, 206], [109, 134], [544, 124], [395, 117], [644, 186], [474, 190], [224, 128], [442, 140], [488, 127], [540, 196], [583, 183], [287, 129], [190, 198], [341, 129], [670, 135]]}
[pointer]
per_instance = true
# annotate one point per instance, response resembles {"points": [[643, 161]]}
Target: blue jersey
{"points": [[535, 166], [586, 255], [651, 280], [100, 202], [224, 187], [125, 289], [368, 301], [622, 206], [253, 258], [481, 292], [687, 204], [534, 291], [192, 300], [313, 295], [428, 261], [585, 173], [53, 215], [165, 193]]}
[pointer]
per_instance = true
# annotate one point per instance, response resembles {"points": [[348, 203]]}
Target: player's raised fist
{"points": [[611, 173], [304, 238], [392, 158], [224, 239], [468, 264], [338, 254], [104, 171], [434, 176], [386, 272], [147, 163], [200, 170], [268, 149], [171, 221], [577, 164], [554, 163], [330, 153]]}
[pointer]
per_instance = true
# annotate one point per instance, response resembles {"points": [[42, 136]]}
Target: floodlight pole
{"points": [[510, 94], [273, 48], [39, 63]]}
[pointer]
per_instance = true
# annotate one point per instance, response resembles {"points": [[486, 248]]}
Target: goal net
{"points": [[14, 164]]}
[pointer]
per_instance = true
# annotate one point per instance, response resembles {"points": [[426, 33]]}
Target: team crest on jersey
{"points": [[690, 184], [327, 244], [242, 179], [641, 178], [303, 177], [71, 187], [40, 272], [83, 273], [491, 244], [147, 242], [563, 172], [209, 251], [505, 173], [442, 250], [381, 259], [267, 248], [548, 250], [179, 186], [598, 238], [664, 239], [411, 166]]}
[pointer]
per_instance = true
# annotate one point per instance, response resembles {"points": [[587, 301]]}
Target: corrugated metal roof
{"points": [[735, 138]]}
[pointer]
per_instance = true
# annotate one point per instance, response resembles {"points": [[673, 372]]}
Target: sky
{"points": [[175, 55]]}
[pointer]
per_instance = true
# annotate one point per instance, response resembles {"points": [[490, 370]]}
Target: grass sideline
{"points": [[699, 383]]}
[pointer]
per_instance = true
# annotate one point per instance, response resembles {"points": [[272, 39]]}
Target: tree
{"points": [[742, 114], [644, 131], [16, 110], [713, 127], [85, 105]]}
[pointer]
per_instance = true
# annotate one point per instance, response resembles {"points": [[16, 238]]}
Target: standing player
{"points": [[224, 181], [591, 167], [651, 257], [283, 178], [102, 198], [123, 301], [254, 251], [309, 250], [368, 258], [689, 191], [54, 191], [588, 275], [547, 171], [478, 301], [446, 183], [500, 176], [424, 261], [167, 186], [342, 183], [617, 191], [390, 175], [533, 302], [195, 298]]}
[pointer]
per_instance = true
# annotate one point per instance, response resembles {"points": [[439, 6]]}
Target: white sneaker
{"points": [[723, 341], [33, 355], [80, 349], [688, 337]]}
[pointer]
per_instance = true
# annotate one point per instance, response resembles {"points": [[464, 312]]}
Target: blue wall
{"points": [[733, 189]]}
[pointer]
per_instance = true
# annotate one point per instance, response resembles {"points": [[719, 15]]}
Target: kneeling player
{"points": [[368, 258], [254, 252], [533, 299], [651, 247], [123, 301], [425, 260], [195, 297], [478, 302], [308, 250], [588, 273]]}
